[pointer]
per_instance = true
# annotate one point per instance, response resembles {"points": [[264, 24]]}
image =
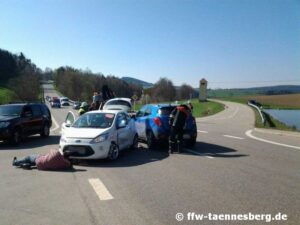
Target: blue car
{"points": [[152, 125]]}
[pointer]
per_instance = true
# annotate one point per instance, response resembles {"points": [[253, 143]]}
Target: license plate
{"points": [[80, 150]]}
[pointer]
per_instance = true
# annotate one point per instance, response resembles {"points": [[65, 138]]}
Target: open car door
{"points": [[70, 119]]}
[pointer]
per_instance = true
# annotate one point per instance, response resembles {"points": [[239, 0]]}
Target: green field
{"points": [[200, 109], [207, 108], [288, 101], [6, 95]]}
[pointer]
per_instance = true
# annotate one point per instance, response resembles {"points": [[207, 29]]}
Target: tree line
{"points": [[20, 75], [165, 91], [80, 85]]}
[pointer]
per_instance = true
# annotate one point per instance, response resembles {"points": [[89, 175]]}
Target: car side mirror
{"points": [[122, 124]]}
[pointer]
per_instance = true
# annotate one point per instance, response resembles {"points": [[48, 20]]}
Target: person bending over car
{"points": [[177, 122], [53, 160]]}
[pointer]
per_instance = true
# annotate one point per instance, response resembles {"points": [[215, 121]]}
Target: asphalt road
{"points": [[233, 169]]}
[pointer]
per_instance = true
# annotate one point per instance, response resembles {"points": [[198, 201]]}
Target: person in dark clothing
{"points": [[177, 122], [107, 93], [93, 106]]}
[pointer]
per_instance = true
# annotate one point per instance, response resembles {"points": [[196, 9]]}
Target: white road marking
{"points": [[100, 189], [249, 134], [278, 132], [56, 124], [220, 118], [234, 137], [202, 131], [234, 114], [197, 153]]}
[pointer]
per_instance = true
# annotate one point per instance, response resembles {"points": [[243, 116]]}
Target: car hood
{"points": [[83, 132], [7, 118]]}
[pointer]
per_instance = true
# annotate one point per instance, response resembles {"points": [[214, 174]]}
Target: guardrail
{"points": [[263, 120]]}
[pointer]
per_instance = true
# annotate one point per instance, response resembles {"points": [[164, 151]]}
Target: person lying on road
{"points": [[53, 160]]}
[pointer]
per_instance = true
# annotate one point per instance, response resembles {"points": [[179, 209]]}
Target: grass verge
{"points": [[200, 109], [6, 95], [271, 123]]}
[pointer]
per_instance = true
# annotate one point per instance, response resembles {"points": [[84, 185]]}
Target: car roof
{"points": [[23, 104]]}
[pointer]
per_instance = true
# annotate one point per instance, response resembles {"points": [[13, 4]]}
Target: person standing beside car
{"points": [[177, 122], [83, 108], [97, 99]]}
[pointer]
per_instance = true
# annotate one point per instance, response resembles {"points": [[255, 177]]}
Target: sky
{"points": [[230, 43]]}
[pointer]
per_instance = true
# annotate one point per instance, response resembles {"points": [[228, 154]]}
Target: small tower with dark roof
{"points": [[203, 90]]}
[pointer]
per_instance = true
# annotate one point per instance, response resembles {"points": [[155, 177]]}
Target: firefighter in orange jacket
{"points": [[177, 122]]}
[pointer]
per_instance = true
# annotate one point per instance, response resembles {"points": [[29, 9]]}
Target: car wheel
{"points": [[135, 143], [190, 143], [16, 137], [150, 140], [113, 153], [46, 131]]}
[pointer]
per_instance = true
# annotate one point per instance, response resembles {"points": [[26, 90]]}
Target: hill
{"points": [[269, 90], [135, 81]]}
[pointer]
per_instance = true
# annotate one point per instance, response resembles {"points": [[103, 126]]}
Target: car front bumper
{"points": [[84, 149]]}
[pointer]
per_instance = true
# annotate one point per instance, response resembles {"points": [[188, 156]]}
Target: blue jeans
{"points": [[28, 160]]}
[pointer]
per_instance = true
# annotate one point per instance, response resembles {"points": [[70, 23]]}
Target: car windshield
{"points": [[55, 100], [11, 110], [119, 102], [166, 111], [95, 120]]}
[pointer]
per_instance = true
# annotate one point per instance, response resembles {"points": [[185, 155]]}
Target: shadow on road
{"points": [[71, 170], [129, 158], [31, 142], [208, 149], [143, 155]]}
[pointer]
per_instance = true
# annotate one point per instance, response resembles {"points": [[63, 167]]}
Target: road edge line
{"points": [[56, 124], [249, 134]]}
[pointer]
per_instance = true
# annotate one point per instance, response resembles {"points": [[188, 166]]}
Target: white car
{"points": [[121, 104], [64, 101], [98, 134]]}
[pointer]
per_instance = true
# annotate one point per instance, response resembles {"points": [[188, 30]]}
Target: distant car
{"points": [[98, 134], [76, 105], [122, 104], [55, 103], [24, 119], [64, 101], [152, 125], [48, 98]]}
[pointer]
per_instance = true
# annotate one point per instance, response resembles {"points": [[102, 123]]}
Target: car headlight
{"points": [[4, 124], [100, 138]]}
